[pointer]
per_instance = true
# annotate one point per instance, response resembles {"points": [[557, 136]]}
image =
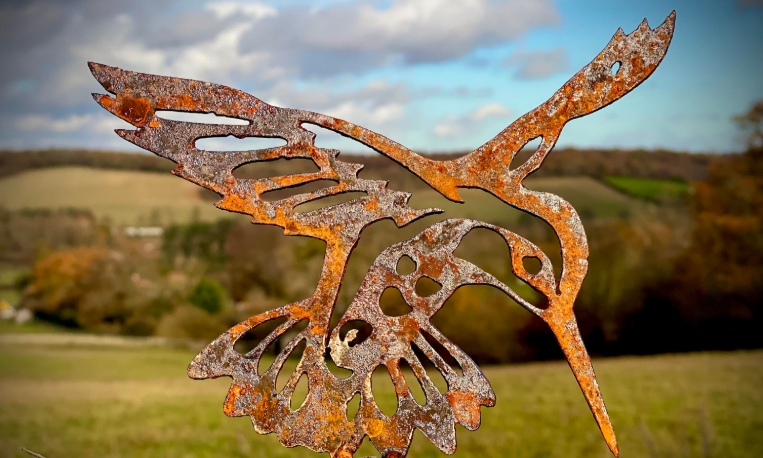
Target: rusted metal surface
{"points": [[322, 423]]}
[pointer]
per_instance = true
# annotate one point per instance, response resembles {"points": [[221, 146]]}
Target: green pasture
{"points": [[650, 189], [88, 401], [33, 327], [590, 198]]}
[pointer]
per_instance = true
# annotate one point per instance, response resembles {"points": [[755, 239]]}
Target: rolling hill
{"points": [[127, 197]]}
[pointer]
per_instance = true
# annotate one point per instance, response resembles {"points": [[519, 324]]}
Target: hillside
{"points": [[129, 197], [124, 197]]}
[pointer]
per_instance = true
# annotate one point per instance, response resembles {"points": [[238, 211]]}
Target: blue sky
{"points": [[435, 75]]}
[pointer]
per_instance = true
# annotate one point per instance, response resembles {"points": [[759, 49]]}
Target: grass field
{"points": [[145, 198], [650, 189], [33, 327], [125, 197], [127, 402], [588, 196]]}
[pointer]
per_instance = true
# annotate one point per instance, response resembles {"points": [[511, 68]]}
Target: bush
{"points": [[189, 322], [208, 295]]}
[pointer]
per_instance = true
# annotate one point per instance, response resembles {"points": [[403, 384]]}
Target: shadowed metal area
{"points": [[321, 422]]}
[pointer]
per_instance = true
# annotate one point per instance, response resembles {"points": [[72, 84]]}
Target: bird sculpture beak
{"points": [[565, 328]]}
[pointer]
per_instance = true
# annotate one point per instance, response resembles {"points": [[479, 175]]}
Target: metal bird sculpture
{"points": [[321, 422]]}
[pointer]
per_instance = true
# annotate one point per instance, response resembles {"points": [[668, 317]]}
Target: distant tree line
{"points": [[562, 162]]}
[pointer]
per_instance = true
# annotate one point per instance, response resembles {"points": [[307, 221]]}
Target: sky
{"points": [[434, 75]]}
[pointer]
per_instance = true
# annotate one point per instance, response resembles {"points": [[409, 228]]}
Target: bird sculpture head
{"points": [[321, 422]]}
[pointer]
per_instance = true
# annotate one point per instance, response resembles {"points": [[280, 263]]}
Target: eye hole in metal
{"points": [[532, 265]]}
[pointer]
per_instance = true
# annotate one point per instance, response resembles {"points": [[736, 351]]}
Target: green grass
{"points": [[33, 327], [9, 277], [85, 401], [12, 296], [650, 189], [589, 197]]}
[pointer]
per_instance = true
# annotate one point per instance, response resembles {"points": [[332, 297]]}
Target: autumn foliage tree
{"points": [[715, 297]]}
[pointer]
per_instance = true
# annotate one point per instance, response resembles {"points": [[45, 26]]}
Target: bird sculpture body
{"points": [[321, 422]]}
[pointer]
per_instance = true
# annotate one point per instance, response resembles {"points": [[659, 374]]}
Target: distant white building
{"points": [[145, 231], [24, 316]]}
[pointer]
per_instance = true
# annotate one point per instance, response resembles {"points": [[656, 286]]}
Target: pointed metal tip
{"points": [[565, 327], [669, 21], [196, 371], [611, 440], [104, 101], [94, 66]]}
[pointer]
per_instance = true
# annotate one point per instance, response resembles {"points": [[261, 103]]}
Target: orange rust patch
{"points": [[373, 427], [133, 109], [466, 407]]}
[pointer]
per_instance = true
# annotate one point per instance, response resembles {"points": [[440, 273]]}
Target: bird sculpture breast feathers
{"points": [[322, 422]]}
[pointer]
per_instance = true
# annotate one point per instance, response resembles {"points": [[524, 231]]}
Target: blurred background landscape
{"points": [[113, 272]]}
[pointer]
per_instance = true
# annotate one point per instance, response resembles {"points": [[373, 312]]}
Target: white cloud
{"points": [[489, 110], [255, 10], [538, 64], [216, 59], [358, 36], [362, 114], [446, 129], [230, 40], [292, 55], [451, 126], [41, 124], [323, 97]]}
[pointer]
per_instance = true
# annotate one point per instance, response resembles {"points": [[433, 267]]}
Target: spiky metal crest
{"points": [[321, 422]]}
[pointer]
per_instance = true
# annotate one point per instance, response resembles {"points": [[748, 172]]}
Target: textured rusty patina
{"points": [[322, 423]]}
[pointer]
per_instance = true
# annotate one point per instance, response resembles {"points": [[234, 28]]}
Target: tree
{"points": [[752, 123], [208, 295], [715, 300]]}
